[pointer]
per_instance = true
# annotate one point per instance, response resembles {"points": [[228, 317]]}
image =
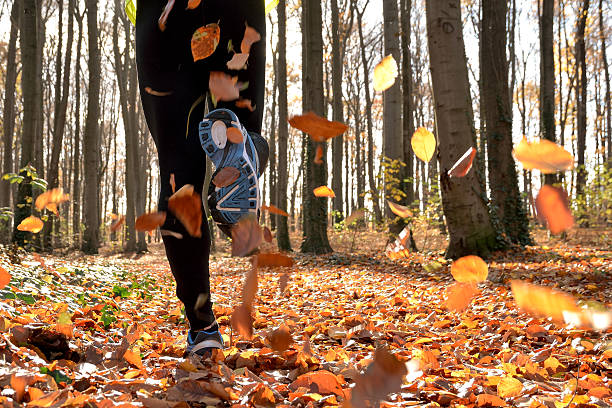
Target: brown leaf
{"points": [[464, 164], [234, 135], [161, 23], [280, 339], [273, 260], [541, 301], [459, 296], [399, 210], [5, 277], [242, 321], [553, 207], [489, 400], [238, 61], [150, 221], [205, 41], [282, 282], [267, 234], [263, 397], [245, 104], [223, 87], [132, 356], [321, 382], [191, 4], [251, 36], [186, 205], [319, 155], [53, 196], [274, 210], [249, 290], [31, 224], [247, 235], [117, 224], [470, 269], [153, 92], [324, 191], [226, 176], [320, 129]]}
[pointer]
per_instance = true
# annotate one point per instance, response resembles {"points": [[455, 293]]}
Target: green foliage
{"points": [[28, 172], [595, 206]]}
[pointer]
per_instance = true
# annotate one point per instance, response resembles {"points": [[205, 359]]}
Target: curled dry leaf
{"points": [[117, 224], [320, 129], [191, 4], [150, 221], [172, 183], [242, 321], [470, 269], [186, 205], [31, 224], [459, 296], [245, 104], [53, 196], [223, 86], [272, 209], [280, 339], [153, 92], [234, 135], [324, 191], [423, 144], [205, 41], [273, 260], [164, 16], [267, 234], [319, 155], [251, 36], [399, 210], [385, 73], [5, 277], [464, 164], [226, 176], [382, 377], [541, 301], [509, 387], [238, 61], [552, 206], [246, 236], [544, 155]]}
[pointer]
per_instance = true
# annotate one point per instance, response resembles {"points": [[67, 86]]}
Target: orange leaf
{"points": [[470, 269], [459, 296], [245, 104], [249, 291], [193, 4], [552, 206], [133, 357], [544, 155], [223, 87], [186, 205], [464, 164], [267, 234], [274, 260], [423, 144], [164, 16], [117, 224], [541, 301], [251, 36], [322, 382], [204, 41], [54, 196], [263, 397], [399, 210], [382, 377], [242, 321], [153, 92], [385, 73], [234, 135], [319, 155], [274, 210], [246, 236], [31, 224], [320, 129], [150, 221], [280, 339], [489, 400], [53, 208], [172, 183], [226, 176], [324, 191], [509, 387], [5, 277]]}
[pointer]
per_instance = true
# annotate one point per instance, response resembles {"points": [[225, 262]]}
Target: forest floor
{"points": [[108, 331]]}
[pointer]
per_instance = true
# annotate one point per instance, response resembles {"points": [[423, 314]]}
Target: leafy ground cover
{"points": [[108, 331]]}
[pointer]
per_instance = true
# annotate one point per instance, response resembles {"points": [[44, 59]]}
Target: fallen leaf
{"points": [[150, 91], [245, 104], [31, 224], [247, 235], [204, 41], [150, 221], [117, 224], [544, 155], [319, 155], [53, 196], [274, 210], [552, 207], [226, 176], [191, 4], [489, 400], [161, 23], [459, 296], [541, 301], [251, 36], [280, 339], [282, 282], [238, 61], [320, 129], [267, 234], [234, 135], [223, 86], [321, 382], [509, 387], [186, 205], [324, 191], [399, 210], [470, 269], [132, 356], [464, 164], [273, 260], [5, 277], [385, 73], [423, 144], [263, 397]]}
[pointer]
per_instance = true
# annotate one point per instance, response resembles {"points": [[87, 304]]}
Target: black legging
{"points": [[166, 67]]}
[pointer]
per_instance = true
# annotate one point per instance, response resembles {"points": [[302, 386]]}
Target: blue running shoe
{"points": [[202, 342], [229, 204]]}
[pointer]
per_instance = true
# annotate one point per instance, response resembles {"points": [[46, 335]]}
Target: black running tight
{"points": [[172, 85]]}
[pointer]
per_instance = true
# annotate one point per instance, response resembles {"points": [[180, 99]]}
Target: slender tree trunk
{"points": [[547, 77], [76, 185], [337, 111], [282, 234], [581, 102], [272, 166], [407, 102], [91, 142], [608, 104], [315, 208], [465, 208]]}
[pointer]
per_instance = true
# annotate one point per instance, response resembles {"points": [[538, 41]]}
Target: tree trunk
{"points": [[581, 100], [91, 140], [76, 159], [503, 178], [282, 234], [547, 77], [407, 103], [463, 200], [608, 104], [272, 161], [315, 208], [337, 112]]}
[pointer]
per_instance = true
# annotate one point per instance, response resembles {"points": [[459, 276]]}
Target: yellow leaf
{"points": [[385, 73], [399, 210], [543, 155], [271, 4], [324, 191], [509, 387], [470, 269], [541, 301], [423, 144]]}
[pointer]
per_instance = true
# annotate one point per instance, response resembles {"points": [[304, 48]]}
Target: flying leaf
{"points": [[464, 164], [223, 86], [459, 296], [234, 135], [186, 205], [249, 290], [324, 191], [382, 377], [247, 235], [238, 61], [251, 36], [509, 387], [423, 144], [385, 73], [5, 277], [541, 301], [553, 207], [172, 183], [117, 224], [53, 196], [205, 41], [544, 155], [150, 221], [31, 224], [267, 234], [242, 321], [280, 339], [320, 129], [193, 4], [319, 155], [274, 210], [153, 92], [399, 210], [470, 269], [245, 104], [226, 176], [164, 16], [273, 260]]}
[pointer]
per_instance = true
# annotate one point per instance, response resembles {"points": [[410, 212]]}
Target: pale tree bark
{"points": [[581, 98], [467, 216], [503, 179], [608, 104], [91, 140], [315, 208], [282, 234], [547, 76]]}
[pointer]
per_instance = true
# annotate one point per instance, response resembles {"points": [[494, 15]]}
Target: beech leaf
{"points": [[319, 129], [544, 155], [552, 206], [423, 144], [324, 191], [464, 164], [385, 73]]}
